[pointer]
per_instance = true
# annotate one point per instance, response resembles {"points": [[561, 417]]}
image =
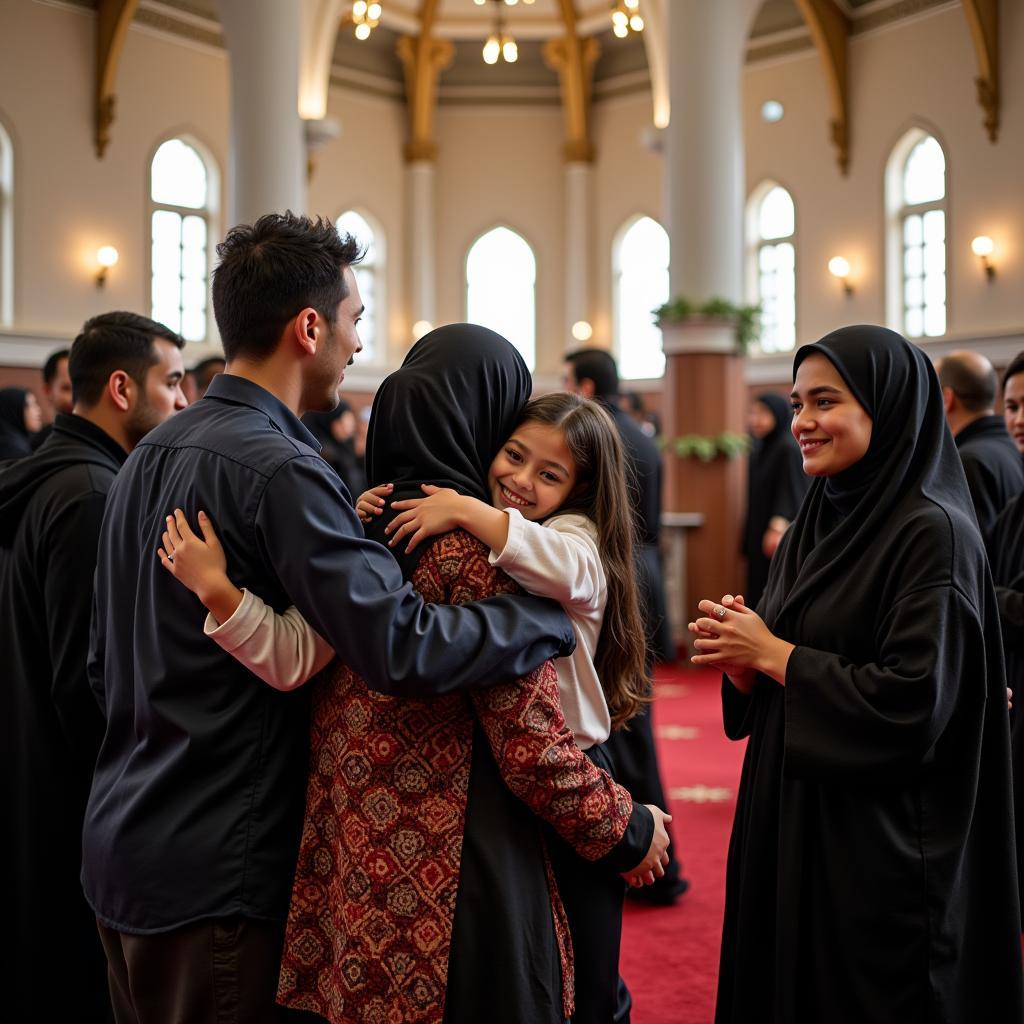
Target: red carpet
{"points": [[670, 954]]}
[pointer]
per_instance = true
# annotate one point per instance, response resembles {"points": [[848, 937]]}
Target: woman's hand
{"points": [[199, 563], [777, 526], [426, 517], [736, 640], [371, 503], [653, 865]]}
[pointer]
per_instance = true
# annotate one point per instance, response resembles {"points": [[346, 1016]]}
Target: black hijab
{"points": [[775, 479], [442, 416], [14, 435], [911, 459]]}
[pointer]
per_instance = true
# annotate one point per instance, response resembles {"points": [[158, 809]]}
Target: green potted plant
{"points": [[745, 319]]}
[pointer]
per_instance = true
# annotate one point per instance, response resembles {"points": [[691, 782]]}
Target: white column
{"points": [[704, 174], [577, 245], [268, 150], [422, 253]]}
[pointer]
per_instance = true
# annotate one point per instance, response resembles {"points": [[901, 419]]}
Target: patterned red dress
{"points": [[370, 923]]}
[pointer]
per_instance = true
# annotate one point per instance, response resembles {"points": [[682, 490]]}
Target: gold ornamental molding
{"points": [[423, 59], [983, 19], [112, 20], [574, 59], [830, 30]]}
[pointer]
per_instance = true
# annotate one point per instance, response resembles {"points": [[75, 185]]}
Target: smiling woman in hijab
{"points": [[20, 418], [776, 485], [871, 873], [423, 891]]}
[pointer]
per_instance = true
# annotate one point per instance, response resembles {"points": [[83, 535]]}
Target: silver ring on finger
{"points": [[719, 611]]}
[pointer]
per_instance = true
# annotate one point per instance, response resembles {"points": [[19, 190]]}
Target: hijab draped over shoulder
{"points": [[441, 417]]}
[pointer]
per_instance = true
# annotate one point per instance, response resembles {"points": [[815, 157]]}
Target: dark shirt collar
{"points": [[78, 427], [230, 387], [983, 426]]}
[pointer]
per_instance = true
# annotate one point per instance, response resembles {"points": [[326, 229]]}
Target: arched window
{"points": [[370, 278], [639, 285], [6, 228], [182, 192], [916, 201], [771, 245], [501, 281]]}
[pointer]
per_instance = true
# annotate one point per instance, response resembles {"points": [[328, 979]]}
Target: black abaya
{"points": [[871, 875]]}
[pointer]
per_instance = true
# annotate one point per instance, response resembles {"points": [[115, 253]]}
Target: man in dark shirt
{"points": [[125, 371], [194, 818], [989, 456], [592, 372]]}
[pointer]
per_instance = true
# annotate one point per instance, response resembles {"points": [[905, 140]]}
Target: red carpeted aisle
{"points": [[670, 954]]}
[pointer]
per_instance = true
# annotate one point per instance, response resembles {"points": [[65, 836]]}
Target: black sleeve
{"points": [[351, 591], [71, 543], [982, 486]]}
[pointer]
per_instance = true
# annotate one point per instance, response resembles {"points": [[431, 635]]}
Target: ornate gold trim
{"points": [[983, 19], [112, 20]]}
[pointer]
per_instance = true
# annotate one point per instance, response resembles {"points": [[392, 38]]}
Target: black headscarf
{"points": [[911, 458], [15, 438], [442, 416]]}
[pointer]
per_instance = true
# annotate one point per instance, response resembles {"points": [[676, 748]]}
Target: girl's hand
{"points": [[739, 643], [371, 503], [426, 517], [199, 563], [653, 865]]}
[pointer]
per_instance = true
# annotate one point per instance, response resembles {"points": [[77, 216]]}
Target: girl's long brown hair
{"points": [[601, 494]]}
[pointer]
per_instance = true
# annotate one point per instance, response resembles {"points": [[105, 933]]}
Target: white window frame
{"points": [[210, 213], [379, 269], [755, 243], [896, 213], [6, 227], [617, 241]]}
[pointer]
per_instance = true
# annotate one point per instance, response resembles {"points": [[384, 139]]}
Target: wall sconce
{"points": [[420, 328], [582, 331], [106, 257], [839, 267], [982, 247]]}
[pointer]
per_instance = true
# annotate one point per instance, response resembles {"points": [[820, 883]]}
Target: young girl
{"points": [[563, 466]]}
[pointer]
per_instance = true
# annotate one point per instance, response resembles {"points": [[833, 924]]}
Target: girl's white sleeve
{"points": [[283, 650], [559, 560]]}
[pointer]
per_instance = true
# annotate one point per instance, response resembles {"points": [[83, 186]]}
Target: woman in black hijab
{"points": [[871, 873], [776, 485], [20, 418], [423, 886], [1007, 553]]}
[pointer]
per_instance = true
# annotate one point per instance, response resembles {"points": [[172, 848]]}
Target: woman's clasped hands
{"points": [[734, 638]]}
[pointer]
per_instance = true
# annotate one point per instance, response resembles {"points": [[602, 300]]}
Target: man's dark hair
{"points": [[1016, 366], [271, 270], [976, 391], [597, 365], [205, 370], [114, 341], [51, 364]]}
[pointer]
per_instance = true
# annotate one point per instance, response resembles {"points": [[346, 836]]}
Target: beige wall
{"points": [[504, 165]]}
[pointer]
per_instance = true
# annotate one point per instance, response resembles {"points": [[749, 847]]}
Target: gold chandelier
{"points": [[626, 18], [501, 44], [366, 17]]}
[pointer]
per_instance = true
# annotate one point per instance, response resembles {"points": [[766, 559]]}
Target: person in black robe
{"points": [[991, 461], [1007, 556], [20, 420], [776, 485], [871, 875], [51, 507]]}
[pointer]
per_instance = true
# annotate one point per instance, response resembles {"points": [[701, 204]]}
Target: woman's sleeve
{"points": [[559, 560], [534, 749], [883, 718], [283, 650]]}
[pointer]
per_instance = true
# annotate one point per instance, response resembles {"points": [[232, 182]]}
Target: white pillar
{"points": [[422, 253], [268, 149], [577, 245], [704, 174]]}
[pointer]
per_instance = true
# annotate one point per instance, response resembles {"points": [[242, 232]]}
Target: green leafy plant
{"points": [[747, 319], [708, 447]]}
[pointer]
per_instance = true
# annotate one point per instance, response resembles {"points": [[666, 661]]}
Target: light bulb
{"points": [[632, 4], [511, 3], [359, 9], [479, 3], [839, 267], [107, 256], [373, 12], [492, 50], [982, 246], [420, 328], [621, 29], [619, 18], [363, 31], [636, 23], [582, 331], [510, 51]]}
